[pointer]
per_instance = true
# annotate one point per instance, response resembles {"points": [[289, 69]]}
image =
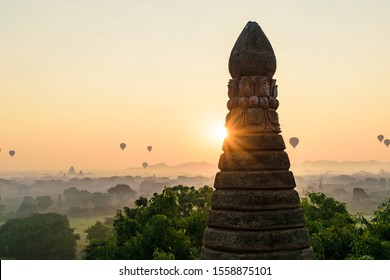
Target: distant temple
{"points": [[72, 171], [255, 211]]}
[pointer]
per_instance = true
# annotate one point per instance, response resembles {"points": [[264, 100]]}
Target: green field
{"points": [[80, 224]]}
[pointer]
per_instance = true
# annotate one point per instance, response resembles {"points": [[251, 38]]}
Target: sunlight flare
{"points": [[219, 133]]}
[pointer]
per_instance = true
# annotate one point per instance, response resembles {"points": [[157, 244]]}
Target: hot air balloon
{"points": [[380, 138], [123, 146], [145, 164], [387, 142], [149, 148], [294, 141], [11, 153]]}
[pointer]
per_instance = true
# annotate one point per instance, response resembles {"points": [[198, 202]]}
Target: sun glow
{"points": [[219, 133]]}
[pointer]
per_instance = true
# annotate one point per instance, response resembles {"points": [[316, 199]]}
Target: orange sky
{"points": [[77, 78]]}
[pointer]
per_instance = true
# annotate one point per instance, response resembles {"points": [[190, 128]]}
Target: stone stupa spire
{"points": [[255, 211]]}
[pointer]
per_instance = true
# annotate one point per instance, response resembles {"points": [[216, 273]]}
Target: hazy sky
{"points": [[78, 77]]}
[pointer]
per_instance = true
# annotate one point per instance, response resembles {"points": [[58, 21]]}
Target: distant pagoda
{"points": [[255, 211]]}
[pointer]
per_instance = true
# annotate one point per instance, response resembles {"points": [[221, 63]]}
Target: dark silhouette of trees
{"points": [[122, 194], [27, 207], [2, 213], [44, 202], [101, 202], [75, 197], [38, 237], [83, 202], [122, 190]]}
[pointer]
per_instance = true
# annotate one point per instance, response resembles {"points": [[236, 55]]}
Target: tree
{"points": [[336, 234], [77, 197], [27, 207], [377, 243], [44, 202], [71, 195], [98, 231], [169, 225], [331, 227], [101, 202], [381, 221], [76, 211], [122, 190], [38, 237], [2, 213], [121, 194], [101, 249]]}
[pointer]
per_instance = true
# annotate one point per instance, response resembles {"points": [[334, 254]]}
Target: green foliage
{"points": [[38, 236], [377, 233], [330, 225], [169, 225], [101, 249], [98, 231], [335, 234], [381, 221], [161, 255]]}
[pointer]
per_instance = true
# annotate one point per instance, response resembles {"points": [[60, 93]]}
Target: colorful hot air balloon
{"points": [[380, 138], [149, 148], [387, 142], [11, 153], [122, 145], [145, 164], [294, 141]]}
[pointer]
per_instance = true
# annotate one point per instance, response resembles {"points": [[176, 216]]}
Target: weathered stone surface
{"points": [[255, 116], [252, 105], [279, 179], [250, 220], [300, 254], [256, 160], [255, 211], [251, 120], [235, 119], [239, 142], [254, 200], [254, 241], [252, 54]]}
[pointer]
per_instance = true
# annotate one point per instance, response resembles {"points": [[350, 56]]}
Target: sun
{"points": [[219, 133]]}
